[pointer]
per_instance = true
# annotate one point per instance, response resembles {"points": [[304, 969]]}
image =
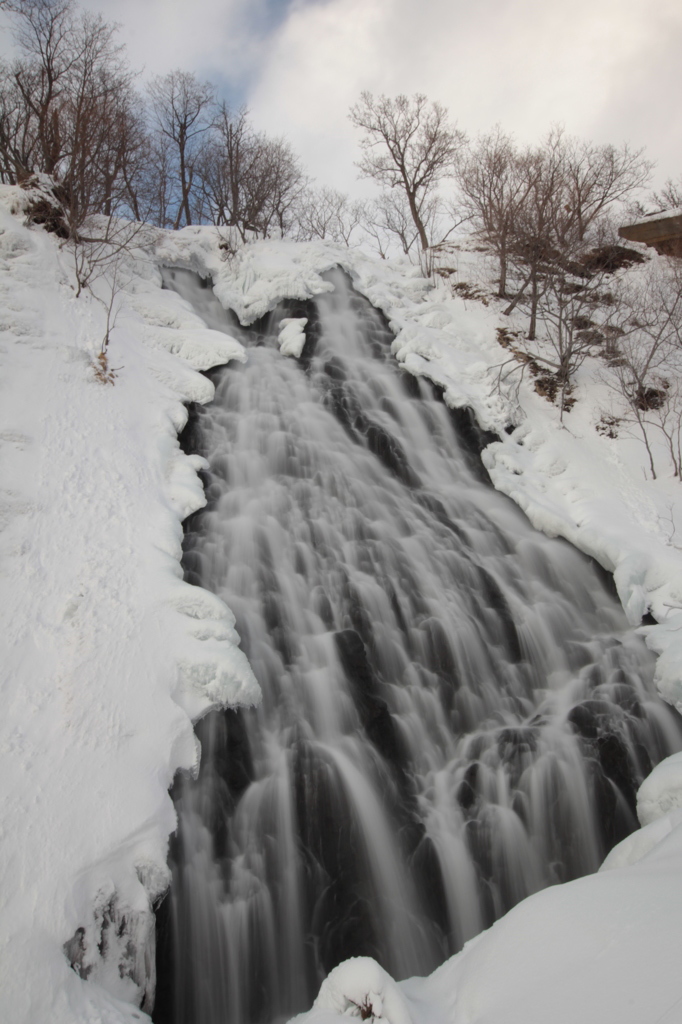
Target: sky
{"points": [[608, 70]]}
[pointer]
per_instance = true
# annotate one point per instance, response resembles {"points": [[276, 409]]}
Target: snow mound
{"points": [[640, 844], [292, 336], [661, 792], [169, 323], [359, 987]]}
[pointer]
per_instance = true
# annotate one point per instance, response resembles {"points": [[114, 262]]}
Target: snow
{"points": [[661, 792], [359, 987], [292, 335], [658, 215], [108, 656]]}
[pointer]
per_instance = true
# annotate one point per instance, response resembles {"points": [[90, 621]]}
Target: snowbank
{"points": [[107, 655]]}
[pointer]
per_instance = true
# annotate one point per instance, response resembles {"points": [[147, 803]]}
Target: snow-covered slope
{"points": [[108, 656]]}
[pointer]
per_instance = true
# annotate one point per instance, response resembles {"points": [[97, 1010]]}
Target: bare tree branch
{"points": [[408, 145]]}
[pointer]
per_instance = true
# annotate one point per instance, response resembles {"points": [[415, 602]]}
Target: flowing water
{"points": [[455, 713]]}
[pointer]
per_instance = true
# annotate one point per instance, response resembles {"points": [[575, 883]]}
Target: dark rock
{"points": [[583, 720], [390, 454], [373, 709], [466, 791], [616, 765]]}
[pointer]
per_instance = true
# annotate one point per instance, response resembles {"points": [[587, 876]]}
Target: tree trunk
{"points": [[184, 189], [417, 220], [533, 304], [517, 298], [502, 290]]}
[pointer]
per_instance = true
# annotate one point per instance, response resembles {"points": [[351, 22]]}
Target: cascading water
{"points": [[454, 712]]}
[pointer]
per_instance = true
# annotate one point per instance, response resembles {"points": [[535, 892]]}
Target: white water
{"points": [[454, 711]]}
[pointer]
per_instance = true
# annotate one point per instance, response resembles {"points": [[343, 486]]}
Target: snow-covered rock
{"points": [[360, 987], [292, 335]]}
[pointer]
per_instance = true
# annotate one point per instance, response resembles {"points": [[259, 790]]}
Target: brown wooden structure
{"points": [[662, 231]]}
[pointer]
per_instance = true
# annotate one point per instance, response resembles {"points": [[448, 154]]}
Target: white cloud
{"points": [[209, 37], [607, 69]]}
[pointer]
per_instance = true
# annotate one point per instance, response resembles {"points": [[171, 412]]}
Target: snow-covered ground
{"points": [[108, 656]]}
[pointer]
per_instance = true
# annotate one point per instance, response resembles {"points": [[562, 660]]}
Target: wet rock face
{"points": [[373, 709], [390, 454], [584, 721], [454, 711]]}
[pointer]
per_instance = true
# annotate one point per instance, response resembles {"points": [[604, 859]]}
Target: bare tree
{"points": [[46, 37], [387, 221], [68, 109], [492, 176], [226, 162], [328, 214], [569, 333], [120, 150], [557, 231], [647, 366], [670, 196], [182, 114], [274, 192], [101, 129], [153, 181], [599, 176], [408, 145], [543, 223], [538, 208], [249, 181]]}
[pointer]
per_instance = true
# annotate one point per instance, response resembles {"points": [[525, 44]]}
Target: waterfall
{"points": [[455, 713]]}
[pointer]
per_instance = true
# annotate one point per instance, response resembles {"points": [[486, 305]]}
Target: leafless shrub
{"points": [[328, 214], [647, 331], [670, 196], [608, 425], [366, 1009], [608, 258], [473, 293], [45, 206]]}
